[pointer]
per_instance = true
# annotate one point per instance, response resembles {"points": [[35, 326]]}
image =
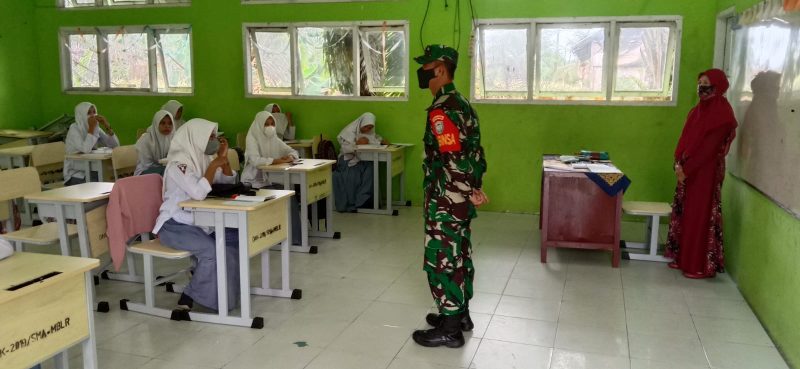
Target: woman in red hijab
{"points": [[695, 229]]}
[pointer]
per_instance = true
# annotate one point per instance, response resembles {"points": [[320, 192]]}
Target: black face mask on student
{"points": [[425, 77], [705, 91]]}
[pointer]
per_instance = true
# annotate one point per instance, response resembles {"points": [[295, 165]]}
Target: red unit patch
{"points": [[445, 131]]}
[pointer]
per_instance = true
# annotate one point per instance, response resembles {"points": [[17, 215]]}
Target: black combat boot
{"points": [[448, 333], [466, 322]]}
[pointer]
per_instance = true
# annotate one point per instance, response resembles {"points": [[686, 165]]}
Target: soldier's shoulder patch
{"points": [[182, 167], [445, 131]]}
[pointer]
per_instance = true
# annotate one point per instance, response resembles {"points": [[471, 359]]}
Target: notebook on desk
{"points": [[370, 146]]}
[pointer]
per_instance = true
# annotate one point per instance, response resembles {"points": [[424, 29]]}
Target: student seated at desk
{"points": [[84, 136], [175, 108], [154, 144], [189, 175], [352, 179], [265, 148], [283, 122]]}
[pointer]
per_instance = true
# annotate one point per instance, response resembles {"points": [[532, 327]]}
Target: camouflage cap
{"points": [[438, 52]]}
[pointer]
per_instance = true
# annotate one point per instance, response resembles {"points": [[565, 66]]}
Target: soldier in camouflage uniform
{"points": [[454, 165]]}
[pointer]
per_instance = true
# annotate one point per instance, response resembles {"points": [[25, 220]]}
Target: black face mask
{"points": [[705, 91], [425, 77]]}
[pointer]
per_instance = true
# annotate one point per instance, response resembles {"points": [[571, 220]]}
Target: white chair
{"points": [[653, 211], [21, 182], [124, 160], [150, 249]]}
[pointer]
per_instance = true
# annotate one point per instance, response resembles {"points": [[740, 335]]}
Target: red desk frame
{"points": [[576, 213]]}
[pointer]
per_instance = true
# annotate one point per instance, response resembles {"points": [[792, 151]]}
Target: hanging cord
{"points": [[457, 26], [422, 26], [473, 30]]}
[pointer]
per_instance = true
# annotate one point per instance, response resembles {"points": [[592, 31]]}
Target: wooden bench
{"points": [[653, 211]]}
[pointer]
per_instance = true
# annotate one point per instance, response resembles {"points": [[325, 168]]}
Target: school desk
{"points": [[261, 225], [313, 176], [15, 157], [33, 137], [394, 157], [72, 203], [45, 303], [93, 162], [576, 213]]}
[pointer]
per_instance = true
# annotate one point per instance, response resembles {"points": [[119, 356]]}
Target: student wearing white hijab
{"points": [[352, 180], [265, 148], [84, 136], [283, 122], [175, 108], [189, 175], [154, 144]]}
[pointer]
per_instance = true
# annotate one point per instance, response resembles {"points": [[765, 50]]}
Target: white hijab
{"points": [[259, 145], [281, 121], [350, 134], [172, 107], [82, 117], [153, 141], [189, 145]]}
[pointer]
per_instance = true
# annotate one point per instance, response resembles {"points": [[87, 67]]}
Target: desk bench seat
{"points": [[653, 211], [44, 234]]}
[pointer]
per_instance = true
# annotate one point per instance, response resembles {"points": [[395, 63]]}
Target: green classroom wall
{"points": [[762, 246], [19, 71], [762, 243], [640, 139]]}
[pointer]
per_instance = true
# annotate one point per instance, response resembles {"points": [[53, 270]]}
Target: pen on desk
{"points": [[318, 164]]}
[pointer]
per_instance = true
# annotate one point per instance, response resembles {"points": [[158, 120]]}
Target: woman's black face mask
{"points": [[425, 76], [705, 91]]}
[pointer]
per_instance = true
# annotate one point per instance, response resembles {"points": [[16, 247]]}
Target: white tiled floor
{"points": [[364, 294]]}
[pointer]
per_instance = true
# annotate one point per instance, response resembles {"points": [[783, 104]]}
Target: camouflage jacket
{"points": [[454, 162]]}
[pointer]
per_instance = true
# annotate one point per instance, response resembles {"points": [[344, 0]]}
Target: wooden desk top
{"points": [[224, 204], [23, 133], [84, 192], [90, 156], [18, 151], [23, 266], [307, 165], [381, 148]]}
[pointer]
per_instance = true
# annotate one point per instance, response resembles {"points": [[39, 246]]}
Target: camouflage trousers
{"points": [[448, 263]]}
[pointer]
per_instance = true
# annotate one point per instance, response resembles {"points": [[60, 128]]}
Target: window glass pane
{"points": [[326, 61], [571, 59], [765, 50], [642, 58], [85, 3], [274, 73], [128, 60], [502, 68], [83, 61], [174, 62], [383, 57], [78, 3]]}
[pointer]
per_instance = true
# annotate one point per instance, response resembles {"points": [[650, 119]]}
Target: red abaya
{"points": [[695, 235]]}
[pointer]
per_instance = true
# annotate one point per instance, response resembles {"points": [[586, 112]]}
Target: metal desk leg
{"points": [[244, 268], [376, 183], [303, 200], [63, 236], [285, 290], [90, 344], [389, 185], [222, 281]]}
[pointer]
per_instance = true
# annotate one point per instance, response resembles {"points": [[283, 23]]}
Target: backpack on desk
{"points": [[326, 150]]}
